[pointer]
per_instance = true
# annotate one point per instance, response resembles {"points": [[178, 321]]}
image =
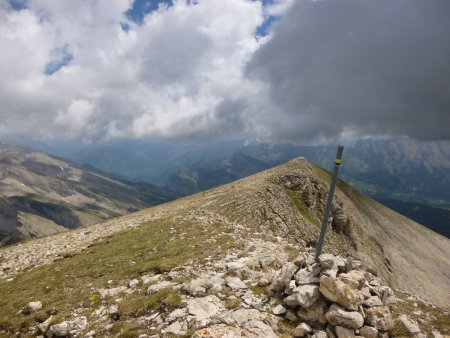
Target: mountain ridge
{"points": [[66, 195], [243, 231]]}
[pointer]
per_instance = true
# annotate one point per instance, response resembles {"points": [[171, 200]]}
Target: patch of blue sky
{"points": [[53, 66], [125, 26], [141, 8], [17, 5], [264, 29], [269, 20]]}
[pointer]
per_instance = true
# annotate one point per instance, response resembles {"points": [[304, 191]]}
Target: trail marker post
{"points": [[326, 213]]}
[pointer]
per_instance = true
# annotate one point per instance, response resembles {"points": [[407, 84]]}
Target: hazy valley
{"points": [[41, 194], [409, 176]]}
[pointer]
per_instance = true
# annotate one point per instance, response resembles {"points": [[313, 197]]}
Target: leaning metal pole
{"points": [[326, 213]]}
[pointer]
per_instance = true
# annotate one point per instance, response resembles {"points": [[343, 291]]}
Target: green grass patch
{"points": [[285, 328], [71, 282], [140, 305], [323, 174], [126, 330], [259, 291], [232, 303], [398, 330], [291, 252], [301, 207], [435, 316]]}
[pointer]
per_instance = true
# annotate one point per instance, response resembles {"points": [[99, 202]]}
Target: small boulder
{"points": [[435, 334], [326, 261], [379, 317], [283, 277], [301, 260], [44, 326], [112, 292], [133, 283], [329, 272], [59, 330], [32, 307], [355, 279], [372, 301], [309, 275], [303, 295], [235, 283], [368, 332], [175, 328], [290, 287], [302, 330], [315, 313], [409, 325], [290, 315], [113, 312], [195, 287], [158, 286], [279, 310], [337, 316], [339, 292], [319, 334], [204, 308], [343, 332], [259, 329]]}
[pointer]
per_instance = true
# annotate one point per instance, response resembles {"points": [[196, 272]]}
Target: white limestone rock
{"points": [[343, 332], [44, 326], [240, 316], [204, 308], [326, 261], [32, 307], [339, 292], [235, 283], [314, 313], [338, 316], [175, 328], [279, 310], [372, 301], [260, 329], [283, 277], [355, 279], [133, 283], [368, 332], [302, 330], [158, 286], [409, 325], [303, 295], [379, 317]]}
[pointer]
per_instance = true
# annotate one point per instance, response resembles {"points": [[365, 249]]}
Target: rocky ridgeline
{"points": [[252, 292]]}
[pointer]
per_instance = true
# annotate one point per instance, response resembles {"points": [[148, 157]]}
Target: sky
{"points": [[287, 70]]}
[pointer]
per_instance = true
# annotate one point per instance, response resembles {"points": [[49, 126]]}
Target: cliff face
{"points": [[218, 252]]}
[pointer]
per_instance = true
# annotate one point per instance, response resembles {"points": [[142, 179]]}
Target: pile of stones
{"points": [[335, 298], [331, 298]]}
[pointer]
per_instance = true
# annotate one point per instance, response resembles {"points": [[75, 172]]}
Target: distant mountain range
{"points": [[41, 194], [409, 176]]}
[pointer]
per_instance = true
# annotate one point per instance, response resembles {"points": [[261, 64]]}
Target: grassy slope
{"points": [[72, 282]]}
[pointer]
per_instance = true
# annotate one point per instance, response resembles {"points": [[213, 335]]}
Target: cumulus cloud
{"points": [[354, 67], [70, 69], [198, 69]]}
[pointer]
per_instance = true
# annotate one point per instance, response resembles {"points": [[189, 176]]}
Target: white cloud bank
{"points": [[197, 71]]}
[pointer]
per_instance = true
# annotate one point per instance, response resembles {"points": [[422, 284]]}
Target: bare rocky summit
{"points": [[234, 261]]}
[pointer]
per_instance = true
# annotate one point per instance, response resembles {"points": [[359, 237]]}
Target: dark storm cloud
{"points": [[358, 67]]}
